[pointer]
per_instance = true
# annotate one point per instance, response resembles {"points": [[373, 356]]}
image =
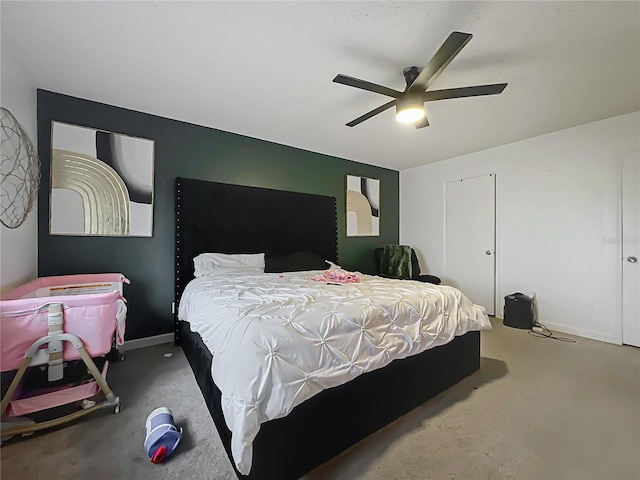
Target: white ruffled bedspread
{"points": [[278, 339]]}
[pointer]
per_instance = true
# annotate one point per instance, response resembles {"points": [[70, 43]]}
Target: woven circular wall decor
{"points": [[19, 171]]}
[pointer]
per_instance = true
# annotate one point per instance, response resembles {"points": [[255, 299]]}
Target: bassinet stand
{"points": [[54, 339]]}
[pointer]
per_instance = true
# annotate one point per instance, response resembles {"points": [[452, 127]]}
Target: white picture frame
{"points": [[101, 183], [363, 206]]}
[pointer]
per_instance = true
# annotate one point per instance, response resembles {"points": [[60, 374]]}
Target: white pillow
{"points": [[208, 263]]}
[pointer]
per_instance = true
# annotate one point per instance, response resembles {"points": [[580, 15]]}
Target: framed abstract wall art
{"points": [[101, 183], [363, 206]]}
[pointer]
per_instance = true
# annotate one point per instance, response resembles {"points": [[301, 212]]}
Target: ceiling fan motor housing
{"points": [[410, 74]]}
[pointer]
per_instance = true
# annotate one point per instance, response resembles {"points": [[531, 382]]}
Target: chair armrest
{"points": [[428, 279]]}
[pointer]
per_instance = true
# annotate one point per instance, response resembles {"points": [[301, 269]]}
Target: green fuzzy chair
{"points": [[401, 262]]}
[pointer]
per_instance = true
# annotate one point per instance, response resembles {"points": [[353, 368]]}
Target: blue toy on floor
{"points": [[162, 436]]}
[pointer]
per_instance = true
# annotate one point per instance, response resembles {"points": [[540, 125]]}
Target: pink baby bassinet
{"points": [[93, 319]]}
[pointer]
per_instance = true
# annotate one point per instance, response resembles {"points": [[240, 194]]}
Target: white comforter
{"points": [[278, 339]]}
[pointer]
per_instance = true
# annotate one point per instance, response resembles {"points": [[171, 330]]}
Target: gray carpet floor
{"points": [[537, 409]]}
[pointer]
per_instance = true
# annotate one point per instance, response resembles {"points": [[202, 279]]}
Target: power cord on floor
{"points": [[541, 331]]}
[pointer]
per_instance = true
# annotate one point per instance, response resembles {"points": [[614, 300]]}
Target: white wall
{"points": [[18, 247], [558, 220]]}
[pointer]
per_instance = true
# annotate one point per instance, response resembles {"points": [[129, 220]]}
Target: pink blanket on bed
{"points": [[337, 276]]}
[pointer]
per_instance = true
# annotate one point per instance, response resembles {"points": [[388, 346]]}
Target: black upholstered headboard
{"points": [[224, 218]]}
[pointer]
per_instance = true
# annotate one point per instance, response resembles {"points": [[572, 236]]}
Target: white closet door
{"points": [[470, 237], [631, 249]]}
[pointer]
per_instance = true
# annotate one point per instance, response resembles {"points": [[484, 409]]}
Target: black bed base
{"points": [[333, 420]]}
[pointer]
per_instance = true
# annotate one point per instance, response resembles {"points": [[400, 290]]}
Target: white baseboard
{"points": [[582, 332], [148, 341]]}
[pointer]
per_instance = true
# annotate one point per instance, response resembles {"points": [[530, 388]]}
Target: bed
{"points": [[231, 219]]}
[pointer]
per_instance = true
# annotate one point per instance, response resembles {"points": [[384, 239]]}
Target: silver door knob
{"points": [[488, 252], [632, 260]]}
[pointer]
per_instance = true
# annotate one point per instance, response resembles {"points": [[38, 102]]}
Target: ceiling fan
{"points": [[410, 103]]}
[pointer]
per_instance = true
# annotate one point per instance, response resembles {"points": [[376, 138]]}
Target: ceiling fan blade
{"points": [[364, 85], [475, 91], [424, 122], [447, 52], [370, 114]]}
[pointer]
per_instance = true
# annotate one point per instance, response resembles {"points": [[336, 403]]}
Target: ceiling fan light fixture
{"points": [[409, 109], [410, 115]]}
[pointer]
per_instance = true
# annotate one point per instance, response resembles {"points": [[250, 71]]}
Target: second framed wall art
{"points": [[363, 206]]}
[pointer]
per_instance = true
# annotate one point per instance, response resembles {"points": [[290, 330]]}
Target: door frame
{"points": [[497, 225]]}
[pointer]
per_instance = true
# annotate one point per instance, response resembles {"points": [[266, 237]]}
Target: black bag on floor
{"points": [[518, 311]]}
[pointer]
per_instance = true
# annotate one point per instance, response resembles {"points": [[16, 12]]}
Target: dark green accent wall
{"points": [[191, 151]]}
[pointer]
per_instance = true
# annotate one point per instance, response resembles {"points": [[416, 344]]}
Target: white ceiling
{"points": [[265, 69]]}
